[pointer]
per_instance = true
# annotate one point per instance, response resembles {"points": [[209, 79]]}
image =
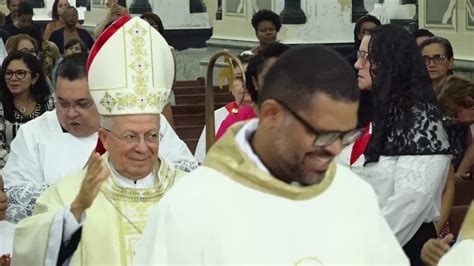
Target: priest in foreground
{"points": [[269, 192], [96, 216]]}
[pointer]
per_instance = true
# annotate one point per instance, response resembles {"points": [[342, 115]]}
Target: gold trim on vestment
{"points": [[227, 157], [135, 204]]}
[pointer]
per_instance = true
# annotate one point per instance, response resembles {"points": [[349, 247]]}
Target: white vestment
{"points": [[110, 227], [231, 211], [43, 152], [461, 254], [6, 237], [219, 116]]}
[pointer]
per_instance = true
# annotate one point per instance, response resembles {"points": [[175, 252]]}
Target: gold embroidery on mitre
{"points": [[141, 97]]}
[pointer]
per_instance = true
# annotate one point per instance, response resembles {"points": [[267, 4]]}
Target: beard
{"points": [[291, 167]]}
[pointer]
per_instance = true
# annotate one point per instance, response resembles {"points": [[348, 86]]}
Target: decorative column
{"points": [[358, 10], [292, 13], [140, 7], [219, 10]]}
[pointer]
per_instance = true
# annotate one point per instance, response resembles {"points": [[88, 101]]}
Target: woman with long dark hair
{"points": [[24, 96], [404, 153]]}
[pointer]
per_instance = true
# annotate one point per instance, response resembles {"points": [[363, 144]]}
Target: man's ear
{"points": [[269, 113]]}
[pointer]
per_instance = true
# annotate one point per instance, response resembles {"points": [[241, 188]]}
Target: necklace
{"points": [[22, 109]]}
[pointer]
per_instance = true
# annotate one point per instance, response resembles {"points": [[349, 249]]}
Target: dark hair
{"points": [[257, 63], [24, 9], [155, 18], [9, 2], [73, 41], [40, 89], [296, 77], [73, 67], [448, 48], [401, 73], [54, 11], [400, 84], [422, 33], [362, 20], [266, 15]]}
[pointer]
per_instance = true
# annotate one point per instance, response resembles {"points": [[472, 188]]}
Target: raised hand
{"points": [[96, 174]]}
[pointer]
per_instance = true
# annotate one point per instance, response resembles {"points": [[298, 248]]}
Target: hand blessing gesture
{"points": [[96, 174]]}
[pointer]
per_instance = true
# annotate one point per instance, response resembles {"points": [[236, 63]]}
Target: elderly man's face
{"points": [[132, 143], [75, 108]]}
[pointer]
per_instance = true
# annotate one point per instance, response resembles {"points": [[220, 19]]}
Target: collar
{"points": [[146, 182], [228, 157], [243, 141]]}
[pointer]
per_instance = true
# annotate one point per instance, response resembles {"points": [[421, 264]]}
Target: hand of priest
{"points": [[3, 201], [434, 249], [96, 174]]}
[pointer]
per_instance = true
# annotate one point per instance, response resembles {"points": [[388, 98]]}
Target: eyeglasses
{"points": [[438, 59], [324, 138], [79, 106], [151, 137], [19, 74], [363, 56]]}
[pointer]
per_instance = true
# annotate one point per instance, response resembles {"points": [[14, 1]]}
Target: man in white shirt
{"points": [[60, 142], [269, 192]]}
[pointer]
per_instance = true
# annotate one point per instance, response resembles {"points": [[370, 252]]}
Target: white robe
{"points": [[42, 153], [461, 254], [7, 230], [232, 212], [219, 116]]}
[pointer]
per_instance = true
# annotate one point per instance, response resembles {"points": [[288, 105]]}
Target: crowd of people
{"points": [[321, 158]]}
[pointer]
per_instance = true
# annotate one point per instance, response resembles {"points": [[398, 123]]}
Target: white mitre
{"points": [[130, 69]]}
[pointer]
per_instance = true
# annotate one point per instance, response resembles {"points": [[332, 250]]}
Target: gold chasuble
{"points": [[111, 227], [231, 211]]}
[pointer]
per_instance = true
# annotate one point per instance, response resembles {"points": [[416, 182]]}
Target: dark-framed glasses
{"points": [[324, 138], [78, 106], [19, 74], [438, 59], [151, 137]]}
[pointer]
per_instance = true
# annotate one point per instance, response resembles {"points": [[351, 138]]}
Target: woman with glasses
{"points": [[404, 153], [24, 96], [30, 42], [438, 55], [439, 58]]}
